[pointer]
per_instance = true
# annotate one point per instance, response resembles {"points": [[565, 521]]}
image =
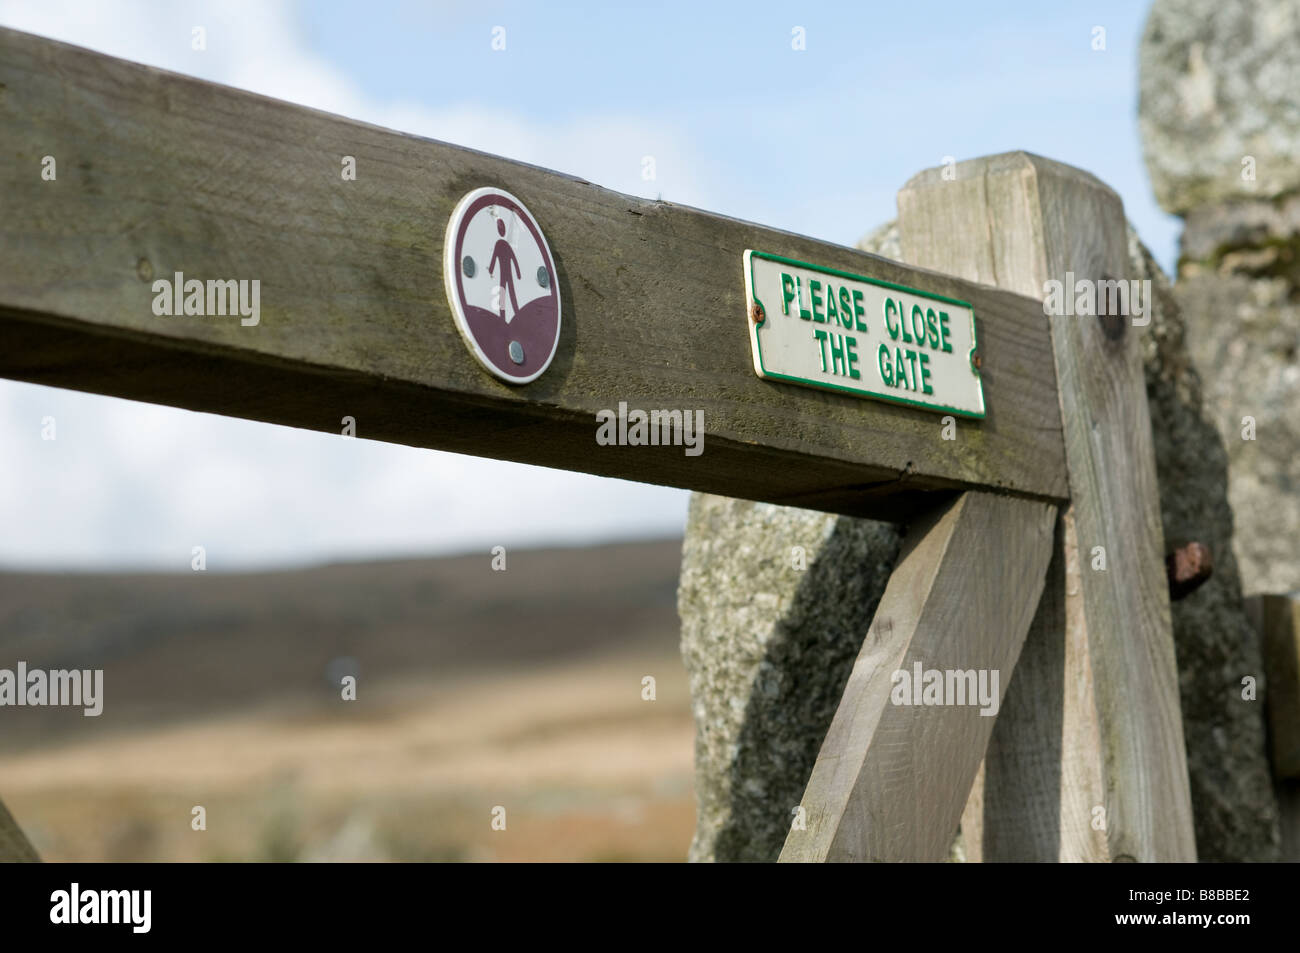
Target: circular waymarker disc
{"points": [[501, 285]]}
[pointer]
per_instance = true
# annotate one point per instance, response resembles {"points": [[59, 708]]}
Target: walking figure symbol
{"points": [[493, 248], [505, 255]]}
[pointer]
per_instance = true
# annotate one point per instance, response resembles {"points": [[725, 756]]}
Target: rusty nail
{"points": [[1187, 567], [757, 314]]}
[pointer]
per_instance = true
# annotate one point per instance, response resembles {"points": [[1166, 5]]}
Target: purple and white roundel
{"points": [[501, 284]]}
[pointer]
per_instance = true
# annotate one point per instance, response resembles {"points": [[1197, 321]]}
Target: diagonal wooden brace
{"points": [[891, 779]]}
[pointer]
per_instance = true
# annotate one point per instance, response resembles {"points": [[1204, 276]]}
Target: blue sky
{"points": [[816, 141]]}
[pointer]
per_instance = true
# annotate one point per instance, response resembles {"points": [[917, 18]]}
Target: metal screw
{"points": [[757, 314], [467, 266], [977, 361], [516, 352], [543, 276]]}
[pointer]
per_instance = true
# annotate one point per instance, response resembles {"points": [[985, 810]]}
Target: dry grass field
{"points": [[476, 689]]}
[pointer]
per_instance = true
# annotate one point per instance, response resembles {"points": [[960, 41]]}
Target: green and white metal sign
{"points": [[857, 335]]}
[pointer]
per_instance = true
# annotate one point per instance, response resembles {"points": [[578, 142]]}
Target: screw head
{"points": [[516, 352], [467, 266], [543, 277], [757, 314]]}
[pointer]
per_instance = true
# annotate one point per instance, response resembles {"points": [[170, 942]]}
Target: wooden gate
{"points": [[161, 174]]}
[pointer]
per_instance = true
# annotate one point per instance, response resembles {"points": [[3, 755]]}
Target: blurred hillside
{"points": [[476, 688]]}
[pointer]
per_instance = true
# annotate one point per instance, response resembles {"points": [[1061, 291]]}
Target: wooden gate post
{"points": [[1092, 719]]}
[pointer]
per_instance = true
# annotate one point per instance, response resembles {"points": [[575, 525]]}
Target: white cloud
{"points": [[130, 485]]}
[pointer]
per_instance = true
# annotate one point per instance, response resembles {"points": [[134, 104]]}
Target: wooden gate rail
{"points": [[159, 174]]}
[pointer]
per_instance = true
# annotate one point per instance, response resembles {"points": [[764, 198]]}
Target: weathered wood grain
{"points": [[1017, 221], [1287, 792], [1277, 617], [14, 845], [890, 780], [1034, 796], [159, 173]]}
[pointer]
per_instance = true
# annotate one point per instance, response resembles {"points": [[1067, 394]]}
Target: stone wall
{"points": [[1233, 805], [774, 603], [1220, 119]]}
